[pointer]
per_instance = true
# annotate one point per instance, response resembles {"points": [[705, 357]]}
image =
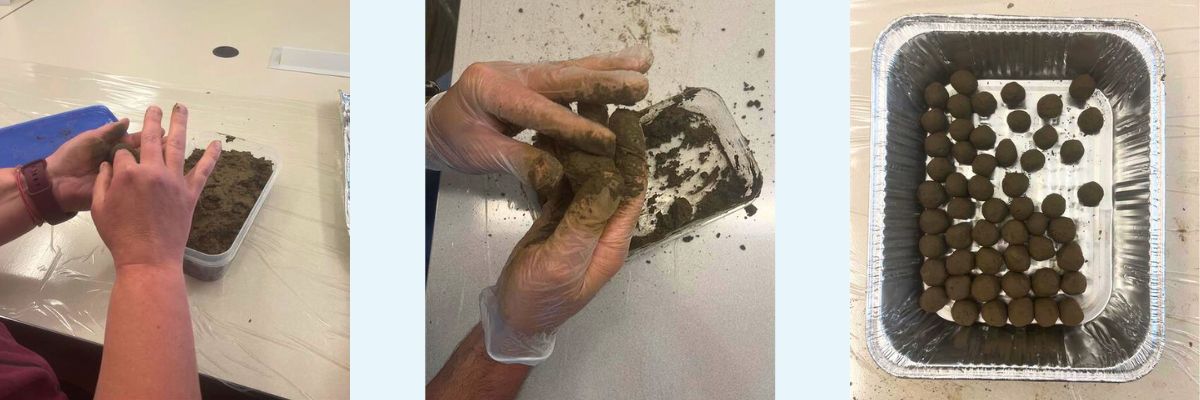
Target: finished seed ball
{"points": [[937, 145], [939, 168], [958, 287], [980, 188], [1012, 94], [1054, 205], [994, 210], [960, 129], [1044, 138], [1045, 311], [1014, 232], [985, 287], [983, 103], [961, 208], [1020, 208], [960, 262], [1090, 121], [932, 245], [1032, 160], [1073, 283], [1062, 229], [965, 312], [1015, 184], [934, 120], [964, 82], [988, 260], [985, 233], [958, 236], [1016, 257], [1071, 151], [1020, 312], [1015, 284], [1070, 257], [936, 95], [959, 106], [1006, 153], [1050, 106], [1037, 223], [984, 164], [995, 313], [931, 194], [1040, 248], [933, 299], [963, 152], [983, 137], [1090, 194], [1081, 88], [933, 272], [1070, 312], [1044, 282], [1018, 121], [956, 185], [934, 221]]}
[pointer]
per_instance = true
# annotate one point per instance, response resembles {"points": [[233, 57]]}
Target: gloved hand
{"points": [[469, 128], [74, 165], [143, 210]]}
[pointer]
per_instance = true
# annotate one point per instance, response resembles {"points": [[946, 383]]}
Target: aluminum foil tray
{"points": [[1122, 336]]}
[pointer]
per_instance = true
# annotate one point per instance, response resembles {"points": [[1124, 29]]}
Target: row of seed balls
{"points": [[951, 278]]}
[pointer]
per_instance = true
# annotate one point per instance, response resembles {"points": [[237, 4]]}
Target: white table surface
{"points": [[695, 320]]}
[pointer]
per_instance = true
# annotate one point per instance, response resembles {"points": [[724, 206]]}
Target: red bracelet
{"points": [[33, 214]]}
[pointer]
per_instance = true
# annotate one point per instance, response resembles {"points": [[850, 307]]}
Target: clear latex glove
{"points": [[469, 128]]}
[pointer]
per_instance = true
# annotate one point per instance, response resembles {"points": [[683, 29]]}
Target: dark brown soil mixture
{"points": [[232, 189]]}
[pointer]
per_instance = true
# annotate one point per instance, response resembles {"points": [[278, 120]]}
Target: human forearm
{"points": [[14, 214], [471, 374], [148, 346]]}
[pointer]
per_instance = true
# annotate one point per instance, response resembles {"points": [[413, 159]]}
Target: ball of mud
{"points": [[1015, 184], [1070, 312], [961, 129], [958, 287], [1050, 106], [995, 313], [964, 82], [939, 168], [1012, 94], [934, 120], [1070, 257], [956, 185], [985, 287], [1032, 160], [933, 272], [938, 145], [1016, 257], [1018, 121], [936, 95], [980, 188], [994, 210], [1081, 88], [983, 103], [961, 208], [931, 194], [1045, 311], [1021, 208], [1040, 248], [1044, 282], [984, 164], [933, 299], [1006, 153], [964, 152], [1020, 312], [1090, 121], [1015, 284], [1014, 232], [1044, 138], [960, 262], [1071, 151], [1073, 283], [1062, 229], [958, 236], [959, 106], [1054, 205], [934, 221], [932, 245], [1037, 223], [983, 137], [985, 233], [1090, 194], [965, 312], [988, 260]]}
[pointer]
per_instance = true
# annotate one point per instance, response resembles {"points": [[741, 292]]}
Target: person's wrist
{"points": [[506, 344]]}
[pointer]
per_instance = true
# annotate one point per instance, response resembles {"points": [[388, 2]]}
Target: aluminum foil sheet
{"points": [[1123, 333]]}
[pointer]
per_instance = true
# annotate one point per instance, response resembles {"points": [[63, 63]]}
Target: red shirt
{"points": [[24, 374]]}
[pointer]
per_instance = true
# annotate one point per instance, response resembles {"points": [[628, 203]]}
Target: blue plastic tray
{"points": [[32, 140]]}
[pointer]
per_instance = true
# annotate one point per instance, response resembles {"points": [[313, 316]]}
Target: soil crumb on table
{"points": [[225, 203]]}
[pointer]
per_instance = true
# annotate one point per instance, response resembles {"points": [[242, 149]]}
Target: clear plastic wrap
{"points": [[278, 320]]}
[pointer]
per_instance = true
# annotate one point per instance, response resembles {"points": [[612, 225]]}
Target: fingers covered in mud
{"points": [[630, 158], [571, 83]]}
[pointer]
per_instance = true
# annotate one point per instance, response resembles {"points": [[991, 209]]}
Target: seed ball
{"points": [[1071, 151], [1050, 106], [1082, 88], [980, 188], [939, 168], [1021, 208], [965, 312], [985, 287], [1037, 223], [961, 208], [995, 313], [1090, 194], [983, 103], [985, 233], [994, 210], [936, 95], [983, 137], [934, 220], [1045, 311], [934, 120], [1032, 160], [933, 272], [988, 260], [1015, 184], [961, 129], [1016, 257], [933, 299], [1006, 153], [1018, 121], [1054, 205], [1044, 282], [960, 262], [1020, 312], [931, 194], [1015, 284], [938, 145], [1073, 283], [1090, 121], [958, 236], [1012, 94], [1070, 312], [1062, 229], [1070, 257], [1044, 138], [984, 164], [956, 185], [959, 106], [1040, 248], [932, 245], [963, 82], [958, 287], [964, 152], [1014, 232]]}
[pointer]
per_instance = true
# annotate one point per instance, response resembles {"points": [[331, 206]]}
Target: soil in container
{"points": [[227, 199]]}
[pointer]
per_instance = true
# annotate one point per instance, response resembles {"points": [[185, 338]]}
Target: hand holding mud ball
{"points": [[74, 166]]}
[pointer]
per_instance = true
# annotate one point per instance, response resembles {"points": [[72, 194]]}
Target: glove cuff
{"points": [[503, 343], [433, 160]]}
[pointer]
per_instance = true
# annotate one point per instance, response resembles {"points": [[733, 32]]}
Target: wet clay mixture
{"points": [[227, 199]]}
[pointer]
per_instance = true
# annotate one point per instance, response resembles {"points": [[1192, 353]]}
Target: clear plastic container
{"points": [[210, 267]]}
